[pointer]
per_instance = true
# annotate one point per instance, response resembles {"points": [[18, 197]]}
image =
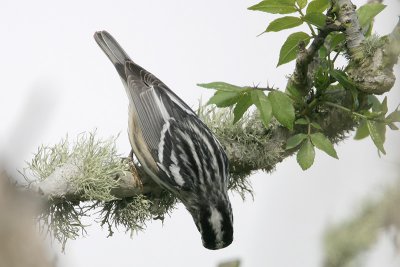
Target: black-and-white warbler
{"points": [[175, 147]]}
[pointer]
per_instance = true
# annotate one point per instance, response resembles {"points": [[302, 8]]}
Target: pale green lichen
{"points": [[99, 165], [371, 44], [48, 158], [62, 221], [98, 162], [132, 213]]}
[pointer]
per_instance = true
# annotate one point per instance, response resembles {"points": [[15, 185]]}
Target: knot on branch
{"points": [[373, 73]]}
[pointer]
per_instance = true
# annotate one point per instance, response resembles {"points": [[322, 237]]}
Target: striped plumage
{"points": [[175, 147]]}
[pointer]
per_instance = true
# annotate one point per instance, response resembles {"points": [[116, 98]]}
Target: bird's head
{"points": [[215, 224]]}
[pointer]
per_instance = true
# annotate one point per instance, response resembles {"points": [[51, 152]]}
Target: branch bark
{"points": [[354, 37]]}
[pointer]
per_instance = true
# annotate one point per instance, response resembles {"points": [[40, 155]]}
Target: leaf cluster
{"points": [[375, 120], [312, 14], [294, 110]]}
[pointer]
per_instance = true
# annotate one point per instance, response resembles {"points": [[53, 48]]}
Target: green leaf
{"points": [[224, 98], [302, 3], [317, 6], [316, 19], [275, 6], [378, 109], [394, 116], [384, 107], [323, 52], [362, 131], [295, 140], [283, 23], [377, 131], [221, 86], [321, 78], [241, 107], [335, 39], [316, 125], [342, 78], [305, 156], [301, 121], [294, 93], [374, 102], [263, 105], [323, 143], [282, 108], [393, 126], [290, 48], [367, 12]]}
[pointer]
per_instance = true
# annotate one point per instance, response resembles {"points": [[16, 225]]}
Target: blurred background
{"points": [[55, 80]]}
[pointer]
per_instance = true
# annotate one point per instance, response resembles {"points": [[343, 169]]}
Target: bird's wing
{"points": [[155, 104], [153, 109], [158, 110]]}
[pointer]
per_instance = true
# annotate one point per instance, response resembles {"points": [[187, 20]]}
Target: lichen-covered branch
{"points": [[346, 12], [91, 175], [371, 59]]}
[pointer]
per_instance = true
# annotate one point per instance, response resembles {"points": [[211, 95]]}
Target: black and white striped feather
{"points": [[175, 147]]}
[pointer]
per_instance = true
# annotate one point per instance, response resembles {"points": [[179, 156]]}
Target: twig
{"points": [[300, 79]]}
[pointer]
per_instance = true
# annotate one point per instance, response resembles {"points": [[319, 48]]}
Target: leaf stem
{"points": [[346, 109], [308, 24]]}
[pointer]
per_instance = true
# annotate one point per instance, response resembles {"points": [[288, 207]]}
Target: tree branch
{"points": [[301, 79], [249, 146], [371, 59], [346, 12]]}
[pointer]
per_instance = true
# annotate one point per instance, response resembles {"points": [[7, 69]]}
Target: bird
{"points": [[175, 148]]}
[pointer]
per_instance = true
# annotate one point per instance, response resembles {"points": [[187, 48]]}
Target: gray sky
{"points": [[55, 80]]}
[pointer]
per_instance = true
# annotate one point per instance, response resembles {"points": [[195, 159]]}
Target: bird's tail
{"points": [[112, 49]]}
